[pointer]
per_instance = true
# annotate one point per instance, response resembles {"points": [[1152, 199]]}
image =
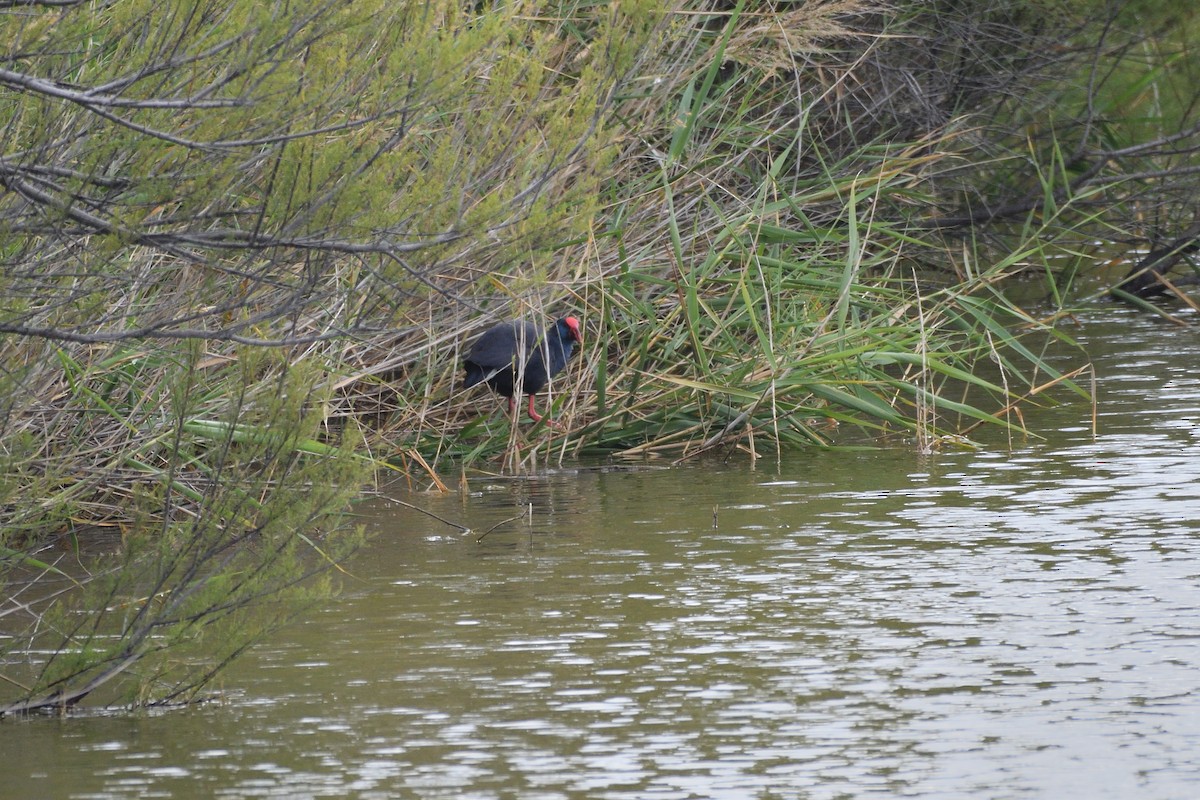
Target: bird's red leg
{"points": [[538, 417]]}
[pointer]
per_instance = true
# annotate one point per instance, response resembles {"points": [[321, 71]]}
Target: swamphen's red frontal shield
{"points": [[513, 352]]}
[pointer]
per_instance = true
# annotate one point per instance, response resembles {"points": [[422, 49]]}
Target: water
{"points": [[1013, 622]]}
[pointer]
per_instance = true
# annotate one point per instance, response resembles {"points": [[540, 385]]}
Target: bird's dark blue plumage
{"points": [[513, 351]]}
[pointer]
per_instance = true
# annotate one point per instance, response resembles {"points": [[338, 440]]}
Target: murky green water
{"points": [[1006, 623]]}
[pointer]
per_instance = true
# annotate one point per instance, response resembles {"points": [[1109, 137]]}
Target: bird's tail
{"points": [[477, 374]]}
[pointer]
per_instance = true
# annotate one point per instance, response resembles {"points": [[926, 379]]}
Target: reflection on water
{"points": [[991, 624]]}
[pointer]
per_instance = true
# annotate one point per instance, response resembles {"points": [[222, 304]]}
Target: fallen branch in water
{"points": [[527, 512], [428, 513]]}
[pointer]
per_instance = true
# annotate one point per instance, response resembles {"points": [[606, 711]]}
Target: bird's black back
{"points": [[512, 348]]}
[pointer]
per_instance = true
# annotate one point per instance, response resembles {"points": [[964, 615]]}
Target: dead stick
{"points": [[479, 538], [462, 528]]}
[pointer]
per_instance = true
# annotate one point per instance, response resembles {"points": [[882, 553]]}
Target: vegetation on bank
{"points": [[244, 247]]}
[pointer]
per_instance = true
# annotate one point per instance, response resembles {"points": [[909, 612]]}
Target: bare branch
{"points": [[94, 99]]}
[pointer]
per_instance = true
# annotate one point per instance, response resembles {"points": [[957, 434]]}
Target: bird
{"points": [[517, 351]]}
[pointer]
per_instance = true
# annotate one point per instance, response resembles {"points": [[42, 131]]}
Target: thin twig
{"points": [[529, 510], [428, 513]]}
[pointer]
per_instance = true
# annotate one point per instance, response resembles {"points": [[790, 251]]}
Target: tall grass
{"points": [[751, 281]]}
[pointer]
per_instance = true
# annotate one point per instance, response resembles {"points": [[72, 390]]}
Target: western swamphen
{"points": [[513, 351]]}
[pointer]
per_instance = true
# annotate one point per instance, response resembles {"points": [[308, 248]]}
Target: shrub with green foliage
{"points": [[217, 219]]}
